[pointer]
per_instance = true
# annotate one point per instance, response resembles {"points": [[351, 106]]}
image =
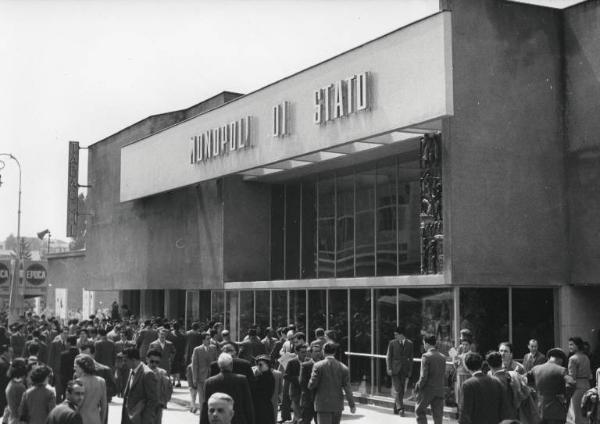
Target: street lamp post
{"points": [[17, 275]]}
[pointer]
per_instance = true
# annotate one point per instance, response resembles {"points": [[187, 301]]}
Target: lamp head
{"points": [[42, 234]]}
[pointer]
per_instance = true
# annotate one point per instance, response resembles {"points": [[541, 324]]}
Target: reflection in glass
{"points": [[528, 305], [409, 208], [326, 227], [279, 308], [232, 314], [365, 222], [309, 230], [246, 312], [386, 218], [345, 226], [385, 323], [485, 313], [218, 306], [317, 310], [292, 231], [192, 303], [262, 308], [298, 309], [360, 330], [204, 309], [338, 319], [277, 231]]}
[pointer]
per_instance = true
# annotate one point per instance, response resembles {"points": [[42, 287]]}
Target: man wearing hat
{"points": [[551, 383], [263, 391], [399, 361]]}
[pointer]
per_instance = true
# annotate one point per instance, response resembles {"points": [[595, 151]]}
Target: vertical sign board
{"points": [[5, 275], [35, 274], [88, 303], [60, 303], [73, 189]]}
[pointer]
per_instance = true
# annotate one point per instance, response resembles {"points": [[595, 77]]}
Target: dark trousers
{"points": [[437, 408], [286, 402], [329, 417], [398, 381]]}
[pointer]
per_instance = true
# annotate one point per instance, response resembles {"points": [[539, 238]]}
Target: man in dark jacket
{"points": [[483, 399], [292, 376], [240, 366], [66, 412], [251, 347], [307, 409], [234, 385], [67, 360], [430, 387], [399, 360], [193, 339], [5, 359], [140, 397], [106, 351], [146, 336]]}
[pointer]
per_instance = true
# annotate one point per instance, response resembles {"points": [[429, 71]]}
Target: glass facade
{"points": [[358, 222]]}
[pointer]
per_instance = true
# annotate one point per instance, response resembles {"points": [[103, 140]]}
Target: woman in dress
{"points": [[39, 399], [462, 373], [94, 408], [15, 389], [579, 371]]}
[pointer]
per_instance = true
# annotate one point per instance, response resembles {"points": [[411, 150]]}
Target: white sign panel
{"points": [[60, 303], [396, 81]]}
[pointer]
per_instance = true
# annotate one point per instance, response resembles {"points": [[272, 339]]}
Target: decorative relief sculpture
{"points": [[432, 234]]}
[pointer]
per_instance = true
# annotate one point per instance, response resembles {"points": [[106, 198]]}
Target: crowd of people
{"points": [[551, 388]]}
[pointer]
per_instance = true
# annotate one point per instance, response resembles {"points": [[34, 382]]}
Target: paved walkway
{"points": [[365, 414]]}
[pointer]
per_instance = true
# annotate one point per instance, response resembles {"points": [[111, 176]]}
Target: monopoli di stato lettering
{"points": [[220, 141]]}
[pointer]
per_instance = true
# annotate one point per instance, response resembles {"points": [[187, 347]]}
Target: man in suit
{"points": [[291, 374], [269, 340], [67, 360], [307, 408], [57, 346], [165, 389], [319, 338], [106, 351], [166, 349], [534, 357], [240, 366], [251, 347], [430, 387], [234, 385], [328, 379], [146, 336], [399, 361], [17, 340], [193, 339], [5, 358], [43, 349], [494, 361], [66, 412], [140, 397], [220, 409], [483, 400], [551, 383], [202, 356]]}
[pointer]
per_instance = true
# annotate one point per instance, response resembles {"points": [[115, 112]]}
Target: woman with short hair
{"points": [[579, 371], [94, 407], [15, 389]]}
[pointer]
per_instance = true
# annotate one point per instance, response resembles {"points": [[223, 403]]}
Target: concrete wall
{"points": [[172, 240], [246, 230], [579, 314], [582, 65], [504, 187]]}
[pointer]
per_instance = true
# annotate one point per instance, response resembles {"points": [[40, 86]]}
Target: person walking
{"points": [[399, 359], [140, 397], [483, 400], [292, 376], [166, 349], [234, 385], [15, 389], [551, 381], [193, 340], [240, 366], [178, 364], [262, 391], [56, 347], [220, 409], [462, 374], [579, 370], [146, 336], [165, 389], [251, 347], [66, 367], [534, 357], [38, 400], [5, 358], [94, 408], [105, 350], [330, 380], [307, 407], [430, 387], [67, 412], [202, 356], [494, 361]]}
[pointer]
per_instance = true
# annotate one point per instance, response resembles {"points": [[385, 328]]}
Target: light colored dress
{"points": [[14, 393], [94, 408], [579, 370]]}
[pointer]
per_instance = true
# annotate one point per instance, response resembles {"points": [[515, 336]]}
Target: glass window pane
{"points": [[292, 231], [246, 312], [385, 323], [360, 329], [298, 309], [309, 230], [326, 230], [277, 229], [409, 209], [192, 307], [387, 244], [365, 223], [204, 309], [279, 309], [232, 314], [528, 305], [345, 226], [218, 306], [338, 319], [262, 307], [485, 313], [317, 312]]}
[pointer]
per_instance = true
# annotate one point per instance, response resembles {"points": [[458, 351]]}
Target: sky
{"points": [[84, 69]]}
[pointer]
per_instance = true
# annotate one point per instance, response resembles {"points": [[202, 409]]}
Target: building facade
{"points": [[440, 177]]}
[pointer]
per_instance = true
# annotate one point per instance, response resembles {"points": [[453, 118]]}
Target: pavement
{"points": [[178, 412]]}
